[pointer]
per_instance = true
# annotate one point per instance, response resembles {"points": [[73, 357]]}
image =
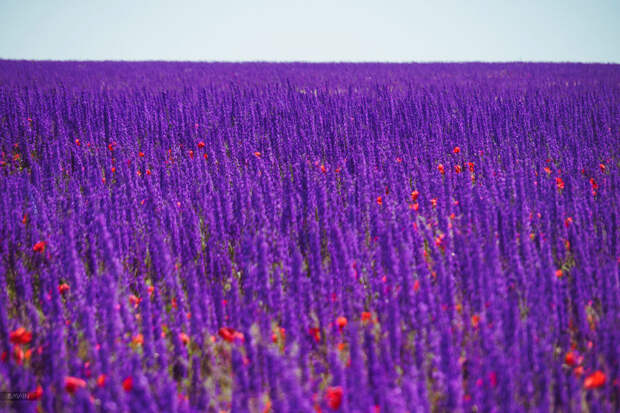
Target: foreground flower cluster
{"points": [[357, 238]]}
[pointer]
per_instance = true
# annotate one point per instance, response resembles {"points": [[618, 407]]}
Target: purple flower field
{"points": [[196, 237]]}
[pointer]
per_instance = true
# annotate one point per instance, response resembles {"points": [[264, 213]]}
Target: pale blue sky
{"points": [[321, 30]]}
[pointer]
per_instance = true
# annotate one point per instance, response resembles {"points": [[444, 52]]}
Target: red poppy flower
{"points": [[441, 169], [63, 288], [101, 380], [128, 384], [559, 273], [559, 182], [458, 169], [184, 338], [134, 300], [39, 246], [201, 144], [414, 195], [416, 285], [379, 200], [137, 340], [595, 380], [570, 359], [475, 320], [366, 316], [230, 334], [141, 154], [72, 384], [257, 154], [334, 397], [470, 165], [36, 394], [456, 149], [593, 183], [341, 322], [18, 354], [20, 336], [315, 333]]}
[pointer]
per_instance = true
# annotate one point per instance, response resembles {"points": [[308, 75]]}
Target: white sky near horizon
{"points": [[321, 30]]}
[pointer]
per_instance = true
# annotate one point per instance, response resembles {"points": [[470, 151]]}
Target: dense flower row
{"points": [[263, 237]]}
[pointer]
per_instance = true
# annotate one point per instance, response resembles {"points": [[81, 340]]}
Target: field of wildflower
{"points": [[196, 237]]}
